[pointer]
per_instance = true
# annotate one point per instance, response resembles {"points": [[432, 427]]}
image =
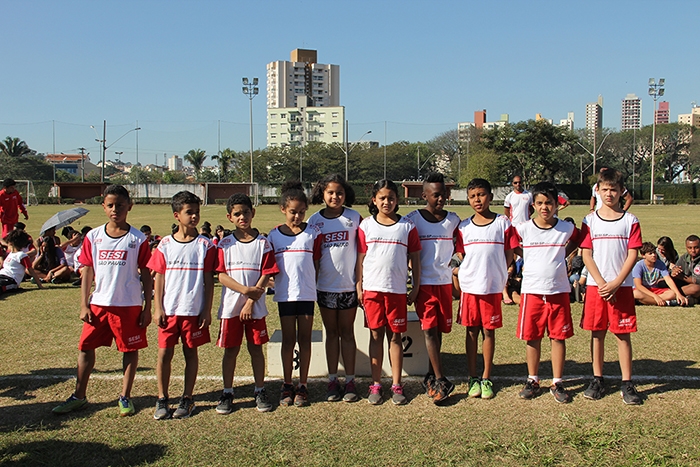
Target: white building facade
{"points": [[631, 113]]}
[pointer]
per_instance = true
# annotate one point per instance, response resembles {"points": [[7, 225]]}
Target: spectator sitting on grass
{"points": [[50, 262], [653, 284], [16, 262], [687, 274]]}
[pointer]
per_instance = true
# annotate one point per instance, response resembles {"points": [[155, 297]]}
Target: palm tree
{"points": [[196, 158], [225, 158], [14, 147]]}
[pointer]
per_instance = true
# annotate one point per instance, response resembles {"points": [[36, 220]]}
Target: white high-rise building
{"points": [[594, 115], [174, 163], [303, 101], [631, 113], [568, 122]]}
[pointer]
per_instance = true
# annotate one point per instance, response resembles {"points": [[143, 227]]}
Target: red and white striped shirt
{"points": [[295, 256]]}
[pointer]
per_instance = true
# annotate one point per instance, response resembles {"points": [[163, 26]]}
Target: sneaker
{"points": [[302, 397], [428, 383], [486, 389], [350, 392], [397, 397], [185, 408], [225, 405], [71, 404], [531, 390], [559, 393], [162, 409], [333, 394], [375, 394], [474, 387], [444, 389], [287, 395], [126, 407], [262, 402], [77, 283], [595, 389], [630, 396]]}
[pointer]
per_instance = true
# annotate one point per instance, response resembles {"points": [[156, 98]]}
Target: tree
{"points": [[482, 163], [225, 159], [14, 147], [196, 159], [174, 176], [446, 146]]}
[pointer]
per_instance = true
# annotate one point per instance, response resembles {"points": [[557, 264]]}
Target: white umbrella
{"points": [[63, 218]]}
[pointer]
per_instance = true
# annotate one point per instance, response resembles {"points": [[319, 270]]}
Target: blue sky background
{"points": [[176, 66]]}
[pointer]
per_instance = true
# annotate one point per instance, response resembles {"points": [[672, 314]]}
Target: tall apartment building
{"points": [[568, 122], [594, 115], [174, 163], [303, 101], [663, 113], [631, 113], [692, 119]]}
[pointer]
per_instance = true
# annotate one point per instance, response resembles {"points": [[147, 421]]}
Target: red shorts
{"points": [[185, 327], [120, 323], [600, 315], [658, 290], [6, 229], [540, 312], [434, 307], [385, 309], [480, 310], [232, 329]]}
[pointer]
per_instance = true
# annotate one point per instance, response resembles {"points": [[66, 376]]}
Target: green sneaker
{"points": [[71, 404], [474, 387], [126, 407], [486, 389]]}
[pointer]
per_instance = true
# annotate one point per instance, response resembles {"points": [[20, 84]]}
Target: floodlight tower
{"points": [[251, 90], [656, 90]]}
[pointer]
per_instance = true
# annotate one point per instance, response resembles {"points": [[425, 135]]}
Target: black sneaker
{"points": [[225, 405], [444, 389], [262, 402], [185, 408], [630, 396], [428, 383], [559, 393], [530, 391], [286, 395], [595, 390]]}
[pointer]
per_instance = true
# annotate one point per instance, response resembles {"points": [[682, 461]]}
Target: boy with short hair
{"points": [[546, 242], [16, 262], [485, 241], [687, 273], [246, 262], [436, 229], [653, 284], [10, 202], [115, 255], [611, 238], [184, 264]]}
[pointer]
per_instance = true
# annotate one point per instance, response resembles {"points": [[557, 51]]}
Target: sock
{"points": [[535, 378], [257, 389], [627, 382], [556, 380], [228, 390], [332, 376], [349, 378], [301, 384], [599, 378]]}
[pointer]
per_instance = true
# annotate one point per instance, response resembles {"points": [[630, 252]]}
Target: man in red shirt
{"points": [[10, 202]]}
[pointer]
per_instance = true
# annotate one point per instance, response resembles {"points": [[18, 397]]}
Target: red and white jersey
{"points": [[184, 265], [519, 204], [336, 269], [116, 262], [437, 247], [386, 248], [544, 256], [69, 253], [295, 256], [244, 262], [14, 266], [483, 270], [610, 242]]}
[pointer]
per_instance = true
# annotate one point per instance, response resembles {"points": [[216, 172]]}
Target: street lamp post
{"points": [[104, 144], [251, 90], [656, 90], [347, 149], [592, 154]]}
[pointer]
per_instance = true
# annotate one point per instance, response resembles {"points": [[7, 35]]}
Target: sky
{"points": [[409, 70]]}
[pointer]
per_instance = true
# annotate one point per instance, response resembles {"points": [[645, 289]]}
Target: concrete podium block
{"points": [[317, 366]]}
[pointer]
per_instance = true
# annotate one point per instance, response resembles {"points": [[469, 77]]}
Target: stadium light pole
{"points": [[656, 90], [104, 144], [251, 90]]}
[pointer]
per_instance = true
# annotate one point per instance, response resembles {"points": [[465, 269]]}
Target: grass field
{"points": [[39, 331]]}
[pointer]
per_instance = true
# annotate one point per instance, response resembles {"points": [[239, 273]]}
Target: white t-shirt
{"points": [[184, 265], [116, 262], [386, 248], [69, 253], [338, 251], [544, 256], [295, 256], [610, 242], [437, 247], [483, 270], [15, 265], [519, 204], [244, 262]]}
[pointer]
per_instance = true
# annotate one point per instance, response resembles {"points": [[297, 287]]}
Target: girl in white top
{"points": [[337, 297], [297, 247]]}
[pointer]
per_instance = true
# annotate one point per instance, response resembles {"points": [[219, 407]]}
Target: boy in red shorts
{"points": [[436, 229], [546, 242], [485, 243], [611, 238], [246, 263], [184, 265], [115, 256]]}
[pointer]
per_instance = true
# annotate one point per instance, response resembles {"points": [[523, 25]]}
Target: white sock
{"points": [[228, 390], [556, 380], [535, 378], [257, 389], [332, 376], [349, 378]]}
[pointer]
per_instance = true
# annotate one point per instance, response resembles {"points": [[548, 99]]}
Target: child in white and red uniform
{"points": [[386, 242], [297, 247], [485, 241], [115, 255], [17, 262], [246, 262], [184, 264]]}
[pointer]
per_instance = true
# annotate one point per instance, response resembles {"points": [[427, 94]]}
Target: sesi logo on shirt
{"points": [[112, 255], [341, 236]]}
